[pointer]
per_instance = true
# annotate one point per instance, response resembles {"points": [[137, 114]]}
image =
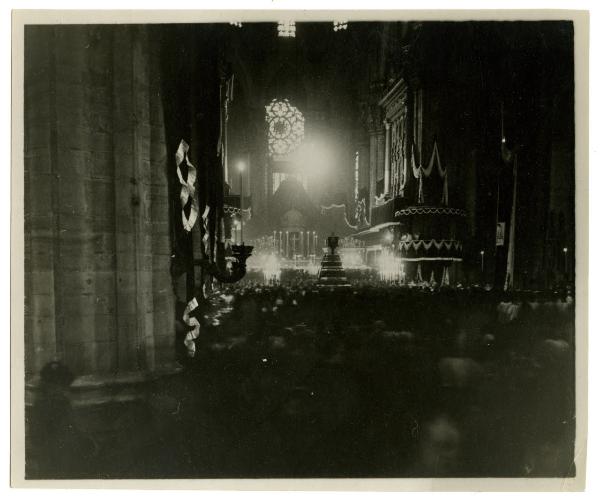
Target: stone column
{"points": [[376, 149], [372, 170], [386, 172], [97, 282]]}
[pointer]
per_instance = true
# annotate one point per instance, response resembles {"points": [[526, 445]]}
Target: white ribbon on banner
{"points": [[188, 189], [193, 323], [206, 236]]}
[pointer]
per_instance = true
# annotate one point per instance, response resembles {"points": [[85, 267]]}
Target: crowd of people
{"points": [[366, 380], [373, 379]]}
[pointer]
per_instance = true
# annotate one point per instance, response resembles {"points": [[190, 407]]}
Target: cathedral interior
{"points": [[185, 185]]}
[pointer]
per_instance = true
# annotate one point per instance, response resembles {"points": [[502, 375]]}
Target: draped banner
{"points": [[443, 172], [446, 277], [427, 244], [410, 211], [194, 132], [325, 209], [187, 195], [419, 172]]}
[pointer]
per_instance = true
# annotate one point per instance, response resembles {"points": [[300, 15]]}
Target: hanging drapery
{"points": [[187, 195], [443, 172], [380, 200], [410, 211], [446, 277], [193, 112], [419, 172], [427, 244], [326, 209]]}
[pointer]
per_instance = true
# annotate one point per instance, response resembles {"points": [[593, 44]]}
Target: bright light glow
{"points": [[286, 28], [314, 158], [237, 24], [241, 166], [340, 25], [389, 237], [352, 258], [565, 250], [390, 266], [482, 252], [312, 268], [271, 269]]}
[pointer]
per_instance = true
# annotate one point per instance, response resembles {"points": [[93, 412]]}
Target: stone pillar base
{"points": [[121, 387]]}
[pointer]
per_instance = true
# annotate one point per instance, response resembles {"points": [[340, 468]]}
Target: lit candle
{"points": [[307, 243]]}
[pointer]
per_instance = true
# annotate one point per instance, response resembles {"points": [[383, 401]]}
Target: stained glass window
{"points": [[286, 127]]}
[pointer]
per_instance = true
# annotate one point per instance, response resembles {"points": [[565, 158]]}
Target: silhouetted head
{"points": [[57, 374]]}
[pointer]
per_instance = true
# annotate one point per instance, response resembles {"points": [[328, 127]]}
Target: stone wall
{"points": [[97, 248]]}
